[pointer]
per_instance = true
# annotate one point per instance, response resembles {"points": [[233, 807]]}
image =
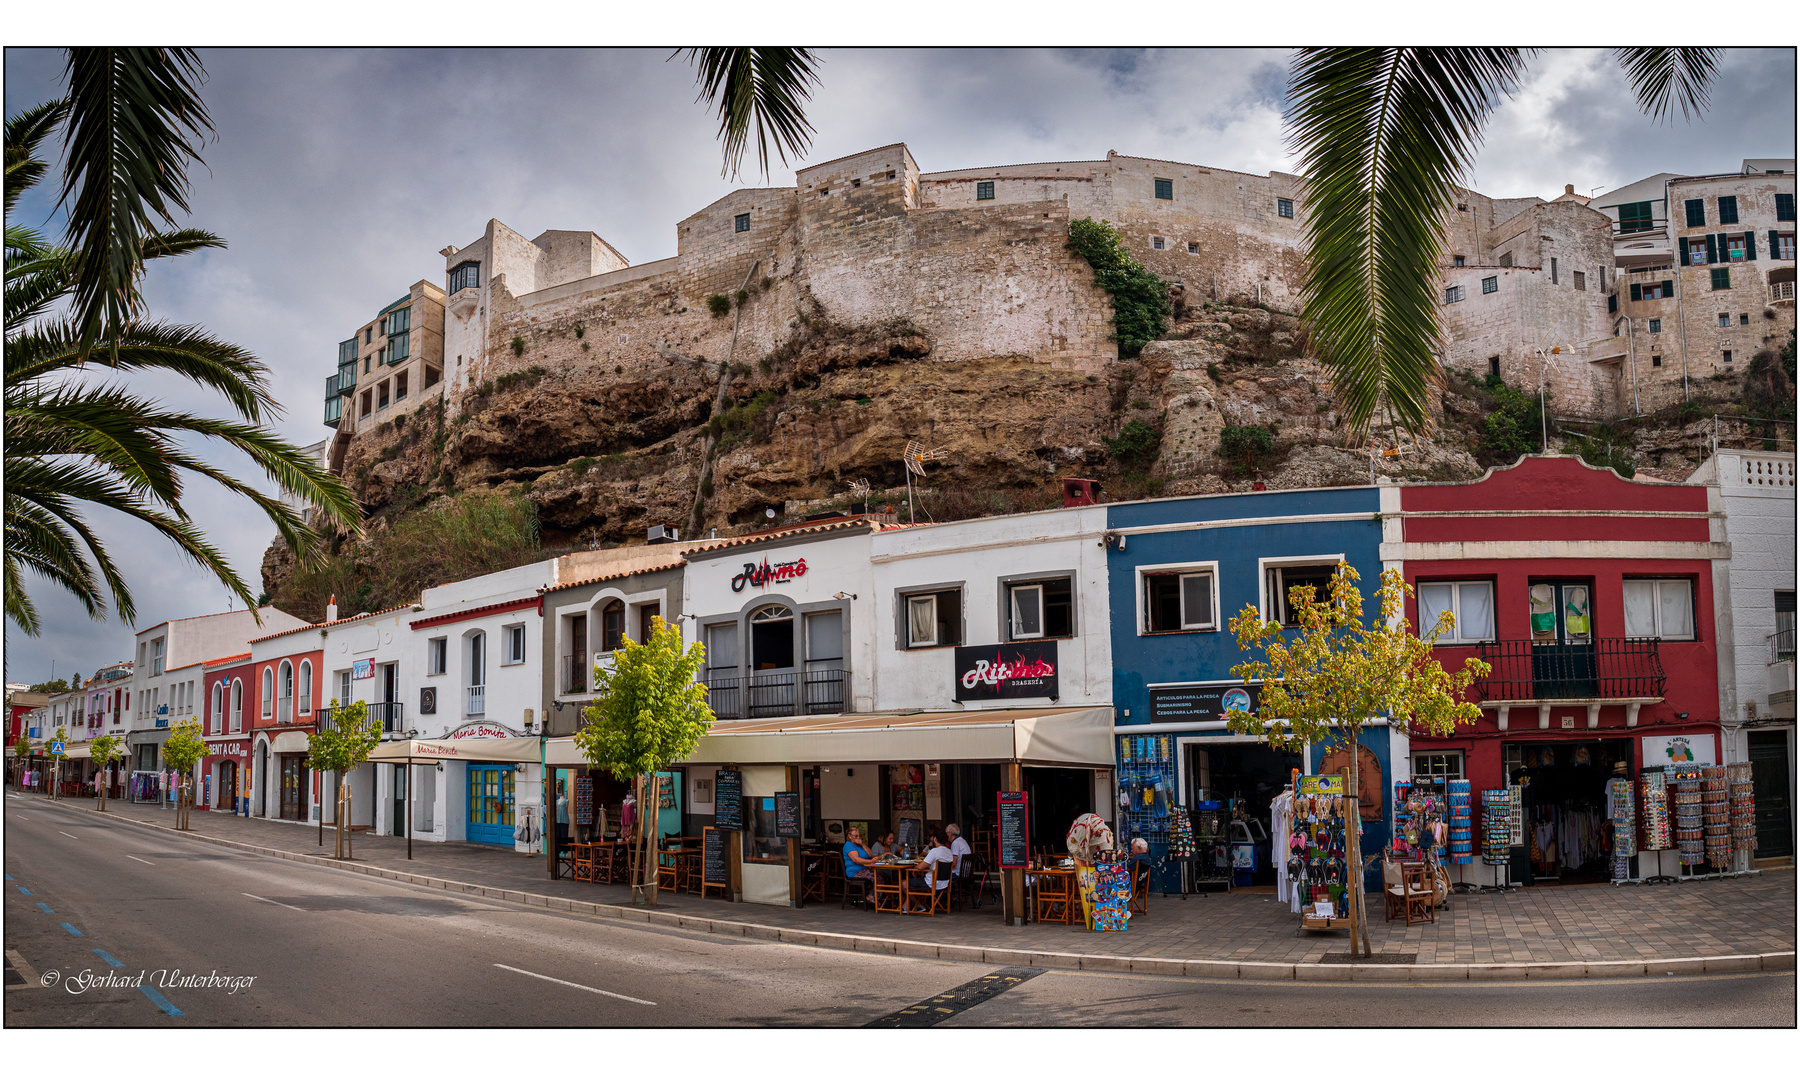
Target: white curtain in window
{"points": [[1434, 600], [1677, 609], [1196, 600], [825, 636], [1475, 620], [1028, 611], [721, 646], [1640, 609], [921, 613]]}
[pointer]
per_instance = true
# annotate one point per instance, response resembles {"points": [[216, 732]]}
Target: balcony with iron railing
{"points": [[284, 710], [391, 715], [1781, 645], [776, 693], [1625, 669], [575, 674]]}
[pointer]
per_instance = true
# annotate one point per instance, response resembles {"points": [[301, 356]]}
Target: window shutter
{"points": [[1668, 290], [1682, 244], [1774, 244], [1696, 213], [1728, 209], [1784, 206], [1712, 248], [1749, 247], [1612, 303], [1637, 291]]}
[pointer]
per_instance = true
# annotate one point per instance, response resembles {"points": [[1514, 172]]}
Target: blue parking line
{"points": [[162, 1003], [45, 908], [24, 890], [9, 877], [72, 930], [106, 956]]}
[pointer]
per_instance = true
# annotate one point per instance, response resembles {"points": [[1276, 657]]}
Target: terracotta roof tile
{"points": [[333, 622]]}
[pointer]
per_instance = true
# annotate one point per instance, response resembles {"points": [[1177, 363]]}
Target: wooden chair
{"points": [[1140, 889], [1053, 897], [858, 888], [832, 883], [668, 870], [1393, 891], [890, 890], [1416, 886], [921, 889], [812, 877], [691, 873]]}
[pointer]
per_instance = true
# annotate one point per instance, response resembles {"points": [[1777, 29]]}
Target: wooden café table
{"points": [[1070, 888], [889, 877]]}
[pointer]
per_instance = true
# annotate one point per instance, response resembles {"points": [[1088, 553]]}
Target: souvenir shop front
{"points": [[1210, 802]]}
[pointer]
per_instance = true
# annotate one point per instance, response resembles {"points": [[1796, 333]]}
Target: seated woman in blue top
{"points": [[857, 859]]}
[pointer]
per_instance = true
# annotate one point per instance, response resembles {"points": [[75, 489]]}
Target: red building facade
{"points": [[1592, 598], [228, 705], [282, 712]]}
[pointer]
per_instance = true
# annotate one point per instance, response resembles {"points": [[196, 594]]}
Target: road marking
{"points": [[72, 930], [9, 877], [935, 1010], [161, 1002], [24, 890], [146, 862], [277, 903], [70, 835], [578, 986], [26, 970], [46, 908], [106, 956]]}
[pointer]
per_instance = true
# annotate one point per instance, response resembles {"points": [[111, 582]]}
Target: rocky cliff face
{"points": [[603, 454]]}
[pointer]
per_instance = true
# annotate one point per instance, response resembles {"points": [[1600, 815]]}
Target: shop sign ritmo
{"points": [[764, 574]]}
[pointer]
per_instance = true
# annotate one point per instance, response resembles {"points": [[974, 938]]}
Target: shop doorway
{"points": [[1774, 812], [1245, 777], [228, 781], [1568, 835], [399, 801], [490, 803], [293, 785], [1054, 799]]}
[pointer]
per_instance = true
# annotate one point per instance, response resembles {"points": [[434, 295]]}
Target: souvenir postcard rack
{"points": [[1318, 864], [1148, 802]]}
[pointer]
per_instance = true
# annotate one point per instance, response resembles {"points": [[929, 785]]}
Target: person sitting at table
{"points": [[857, 859], [886, 847], [959, 848], [937, 862]]}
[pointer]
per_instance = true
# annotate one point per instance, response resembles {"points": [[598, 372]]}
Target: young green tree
{"points": [[22, 751], [648, 713], [340, 749], [105, 750], [183, 750], [61, 738], [1323, 682]]}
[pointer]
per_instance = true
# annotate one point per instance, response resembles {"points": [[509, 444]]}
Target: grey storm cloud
{"points": [[337, 175]]}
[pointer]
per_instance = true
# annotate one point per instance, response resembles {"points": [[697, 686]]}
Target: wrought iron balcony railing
{"points": [[1605, 668], [777, 693]]}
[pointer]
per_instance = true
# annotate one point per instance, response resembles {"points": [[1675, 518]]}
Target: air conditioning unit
{"points": [[663, 534]]}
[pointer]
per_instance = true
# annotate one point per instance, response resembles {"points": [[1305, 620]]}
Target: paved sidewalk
{"points": [[1546, 924]]}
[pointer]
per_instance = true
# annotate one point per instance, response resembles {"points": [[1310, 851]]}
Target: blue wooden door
{"points": [[490, 803]]}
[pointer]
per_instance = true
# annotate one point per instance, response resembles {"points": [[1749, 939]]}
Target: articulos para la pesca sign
{"points": [[1015, 669], [765, 574]]}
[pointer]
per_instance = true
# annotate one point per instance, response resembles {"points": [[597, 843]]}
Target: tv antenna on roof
{"points": [[914, 457], [859, 494]]}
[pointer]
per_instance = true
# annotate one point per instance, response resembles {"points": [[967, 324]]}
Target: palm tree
{"points": [[762, 89], [1382, 137], [73, 310]]}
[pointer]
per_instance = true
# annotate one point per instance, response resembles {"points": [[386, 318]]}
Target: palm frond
{"points": [[761, 89], [1382, 136], [1663, 77], [163, 245], [187, 351], [126, 151], [19, 607], [37, 275], [24, 131]]}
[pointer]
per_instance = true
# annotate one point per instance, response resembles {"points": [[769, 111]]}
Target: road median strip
{"points": [[1064, 961]]}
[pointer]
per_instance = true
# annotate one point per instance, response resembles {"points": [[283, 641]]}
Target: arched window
{"points": [[216, 722], [237, 705], [771, 638], [284, 704], [306, 683], [612, 626], [268, 693]]}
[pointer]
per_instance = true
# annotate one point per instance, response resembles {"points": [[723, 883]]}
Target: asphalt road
{"points": [[320, 947]]}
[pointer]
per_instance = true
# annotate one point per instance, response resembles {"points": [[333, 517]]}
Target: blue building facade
{"points": [[1178, 571]]}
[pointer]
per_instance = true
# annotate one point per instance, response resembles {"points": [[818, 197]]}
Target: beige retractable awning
{"points": [[290, 742], [514, 750], [1079, 738], [83, 752]]}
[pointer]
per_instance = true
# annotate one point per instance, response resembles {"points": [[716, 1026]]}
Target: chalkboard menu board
{"points": [[1015, 831], [728, 800], [715, 866], [787, 813], [584, 800]]}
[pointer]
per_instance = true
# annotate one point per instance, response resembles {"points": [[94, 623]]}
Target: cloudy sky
{"points": [[337, 176]]}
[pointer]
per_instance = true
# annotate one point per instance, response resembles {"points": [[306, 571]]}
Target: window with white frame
{"points": [[217, 720], [1437, 768], [237, 705], [513, 637], [344, 690], [1179, 598], [933, 619], [306, 682], [268, 693], [437, 656], [1280, 581], [1470, 603], [1040, 609], [1659, 608]]}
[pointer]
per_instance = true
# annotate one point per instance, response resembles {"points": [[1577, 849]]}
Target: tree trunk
{"points": [[349, 812], [1359, 923], [652, 840]]}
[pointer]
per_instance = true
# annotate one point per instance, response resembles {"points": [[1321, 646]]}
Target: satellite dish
{"points": [[769, 513]]}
